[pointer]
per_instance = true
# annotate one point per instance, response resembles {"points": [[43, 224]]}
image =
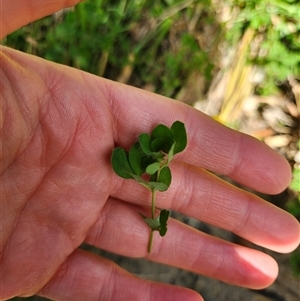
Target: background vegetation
{"points": [[118, 39]]}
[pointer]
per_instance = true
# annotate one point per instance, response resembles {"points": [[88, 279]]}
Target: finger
{"points": [[210, 144], [85, 276], [15, 13], [120, 229], [199, 194]]}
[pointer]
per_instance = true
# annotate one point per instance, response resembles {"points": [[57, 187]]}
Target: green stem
{"points": [[153, 217], [153, 204], [153, 197], [150, 241]]}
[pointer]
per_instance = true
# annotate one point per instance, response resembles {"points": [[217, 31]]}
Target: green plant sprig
{"points": [[147, 162]]}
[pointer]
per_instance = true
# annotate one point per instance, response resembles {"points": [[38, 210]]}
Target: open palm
{"points": [[58, 128]]}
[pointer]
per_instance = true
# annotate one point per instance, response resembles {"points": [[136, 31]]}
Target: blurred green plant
{"points": [[295, 183], [293, 206], [295, 262], [106, 37], [276, 47]]}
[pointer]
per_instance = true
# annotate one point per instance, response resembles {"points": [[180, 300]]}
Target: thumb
{"points": [[15, 13]]}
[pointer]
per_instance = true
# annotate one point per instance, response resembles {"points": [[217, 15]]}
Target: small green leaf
{"points": [[157, 186], [165, 134], [163, 231], [136, 159], [164, 180], [165, 176], [153, 168], [157, 144], [144, 140], [153, 178], [120, 164], [141, 181], [163, 217], [180, 136], [154, 224]]}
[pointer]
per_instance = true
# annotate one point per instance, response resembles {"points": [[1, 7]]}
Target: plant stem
{"points": [[153, 197], [153, 204], [153, 217], [150, 241]]}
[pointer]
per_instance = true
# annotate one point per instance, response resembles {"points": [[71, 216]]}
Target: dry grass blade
{"points": [[238, 86]]}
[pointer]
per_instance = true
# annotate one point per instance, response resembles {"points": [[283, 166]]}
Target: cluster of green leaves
{"points": [[147, 162], [151, 154], [277, 21]]}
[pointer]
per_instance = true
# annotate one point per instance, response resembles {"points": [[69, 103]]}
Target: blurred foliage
{"points": [[295, 184], [295, 262], [293, 206], [105, 37], [276, 47]]}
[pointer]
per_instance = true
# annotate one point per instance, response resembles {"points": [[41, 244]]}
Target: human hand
{"points": [[58, 128]]}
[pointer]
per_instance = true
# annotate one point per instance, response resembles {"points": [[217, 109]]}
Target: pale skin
{"points": [[58, 190]]}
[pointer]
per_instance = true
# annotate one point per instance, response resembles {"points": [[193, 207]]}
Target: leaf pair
{"points": [[160, 223], [169, 140]]}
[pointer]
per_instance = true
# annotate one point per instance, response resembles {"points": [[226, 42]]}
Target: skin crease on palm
{"points": [[58, 128]]}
